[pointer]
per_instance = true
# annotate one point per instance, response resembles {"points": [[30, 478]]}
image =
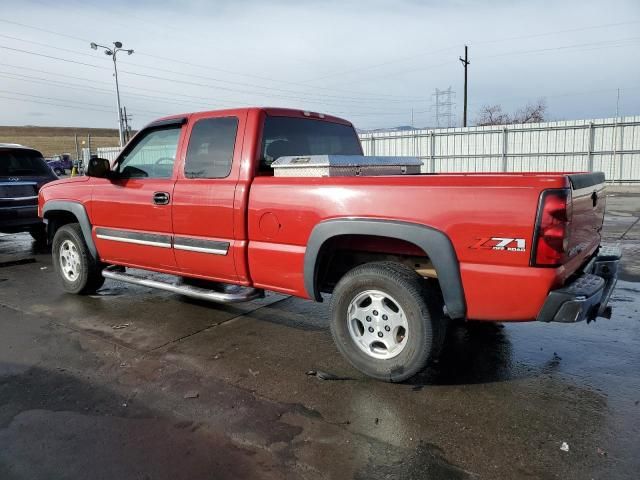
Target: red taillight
{"points": [[552, 228]]}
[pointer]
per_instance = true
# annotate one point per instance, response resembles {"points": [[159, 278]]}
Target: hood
{"points": [[76, 179]]}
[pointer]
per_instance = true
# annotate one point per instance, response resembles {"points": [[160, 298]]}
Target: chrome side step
{"points": [[239, 293]]}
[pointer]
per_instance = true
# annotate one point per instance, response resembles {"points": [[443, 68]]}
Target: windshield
{"points": [[15, 162], [288, 136]]}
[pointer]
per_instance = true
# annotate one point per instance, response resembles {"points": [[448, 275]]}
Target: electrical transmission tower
{"points": [[443, 107]]}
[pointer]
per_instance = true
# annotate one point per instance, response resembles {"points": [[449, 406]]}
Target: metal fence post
{"points": [[77, 148], [373, 146], [504, 149], [590, 149], [432, 152]]}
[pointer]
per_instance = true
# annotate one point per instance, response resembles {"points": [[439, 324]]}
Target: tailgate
{"points": [[588, 205]]}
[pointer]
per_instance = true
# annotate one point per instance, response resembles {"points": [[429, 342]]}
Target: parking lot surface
{"points": [[136, 383]]}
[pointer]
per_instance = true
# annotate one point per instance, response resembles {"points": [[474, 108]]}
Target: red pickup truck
{"points": [[195, 196]]}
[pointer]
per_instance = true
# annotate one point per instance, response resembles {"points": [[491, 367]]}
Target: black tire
{"points": [[39, 234], [59, 171], [408, 290], [89, 278]]}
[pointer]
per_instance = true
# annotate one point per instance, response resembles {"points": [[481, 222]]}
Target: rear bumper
{"points": [[18, 219], [586, 297]]}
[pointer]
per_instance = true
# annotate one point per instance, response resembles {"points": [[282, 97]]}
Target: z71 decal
{"points": [[500, 243]]}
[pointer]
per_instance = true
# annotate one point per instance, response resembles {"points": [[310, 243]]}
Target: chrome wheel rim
{"points": [[69, 260], [377, 324]]}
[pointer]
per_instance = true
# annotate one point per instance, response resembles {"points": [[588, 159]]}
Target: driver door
{"points": [[131, 213]]}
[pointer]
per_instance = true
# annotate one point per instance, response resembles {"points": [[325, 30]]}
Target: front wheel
{"points": [[380, 321], [73, 262]]}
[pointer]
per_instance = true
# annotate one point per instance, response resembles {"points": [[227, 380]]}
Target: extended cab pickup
{"points": [[195, 196]]}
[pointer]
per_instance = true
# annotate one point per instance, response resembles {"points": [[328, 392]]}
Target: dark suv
{"points": [[22, 172]]}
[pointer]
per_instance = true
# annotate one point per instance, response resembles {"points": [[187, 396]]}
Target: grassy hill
{"points": [[54, 140]]}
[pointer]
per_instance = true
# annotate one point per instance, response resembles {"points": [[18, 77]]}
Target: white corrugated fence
{"points": [[609, 145]]}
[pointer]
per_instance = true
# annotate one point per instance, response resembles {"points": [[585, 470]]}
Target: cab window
{"points": [[289, 136], [210, 151], [152, 156]]}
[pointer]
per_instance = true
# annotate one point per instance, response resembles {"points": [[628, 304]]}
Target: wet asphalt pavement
{"points": [[139, 384]]}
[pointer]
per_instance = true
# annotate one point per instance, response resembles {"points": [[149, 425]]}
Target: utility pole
{"points": [[113, 52], [465, 62], [614, 139], [127, 128]]}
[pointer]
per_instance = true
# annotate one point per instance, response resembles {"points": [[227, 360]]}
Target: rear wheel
{"points": [[380, 321], [73, 262]]}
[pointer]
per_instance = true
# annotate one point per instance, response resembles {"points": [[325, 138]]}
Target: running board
{"points": [[242, 294]]}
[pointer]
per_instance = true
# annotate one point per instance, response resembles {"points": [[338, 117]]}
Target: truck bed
{"points": [[466, 207]]}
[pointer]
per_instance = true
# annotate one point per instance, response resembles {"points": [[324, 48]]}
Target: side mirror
{"points": [[98, 167]]}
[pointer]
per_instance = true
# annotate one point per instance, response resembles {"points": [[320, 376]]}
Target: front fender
{"points": [[78, 210]]}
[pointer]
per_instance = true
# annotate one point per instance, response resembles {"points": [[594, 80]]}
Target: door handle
{"points": [[161, 198]]}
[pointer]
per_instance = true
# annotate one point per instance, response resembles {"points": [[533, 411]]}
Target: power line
{"points": [[208, 67], [52, 57], [556, 32], [104, 91], [376, 97], [54, 104], [132, 87], [369, 67], [332, 97], [3, 20], [452, 47], [594, 45], [73, 101], [42, 44], [597, 45], [310, 100], [199, 103]]}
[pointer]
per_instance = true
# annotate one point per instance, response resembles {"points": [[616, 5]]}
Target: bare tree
{"points": [[531, 113], [492, 115]]}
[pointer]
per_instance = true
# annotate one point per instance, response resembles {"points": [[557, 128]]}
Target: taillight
{"points": [[551, 239]]}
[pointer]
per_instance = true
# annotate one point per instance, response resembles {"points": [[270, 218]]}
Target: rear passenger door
{"points": [[203, 198]]}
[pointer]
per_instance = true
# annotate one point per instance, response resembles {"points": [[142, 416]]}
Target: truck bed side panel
{"points": [[283, 211]]}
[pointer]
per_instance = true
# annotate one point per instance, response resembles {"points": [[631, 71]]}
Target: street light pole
{"points": [[113, 52], [120, 126]]}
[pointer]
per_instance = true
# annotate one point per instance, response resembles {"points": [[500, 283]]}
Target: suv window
{"points": [[210, 151], [152, 156], [288, 136], [16, 162]]}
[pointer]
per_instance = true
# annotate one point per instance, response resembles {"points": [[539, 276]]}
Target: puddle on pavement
{"points": [[13, 263]]}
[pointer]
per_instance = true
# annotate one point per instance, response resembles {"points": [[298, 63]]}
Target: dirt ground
{"points": [[57, 140], [132, 383]]}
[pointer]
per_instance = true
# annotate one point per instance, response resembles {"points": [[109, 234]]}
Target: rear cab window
{"points": [[17, 162], [211, 146], [290, 136]]}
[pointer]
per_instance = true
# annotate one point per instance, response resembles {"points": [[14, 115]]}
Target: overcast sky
{"points": [[372, 62]]}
